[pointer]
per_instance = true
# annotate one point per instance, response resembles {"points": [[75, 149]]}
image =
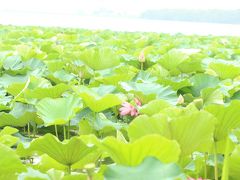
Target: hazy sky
{"points": [[64, 14], [128, 6]]}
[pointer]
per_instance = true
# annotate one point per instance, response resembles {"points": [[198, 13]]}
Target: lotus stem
{"points": [[215, 161], [69, 169], [34, 130], [69, 124], [225, 171], [89, 176], [56, 130], [205, 165], [29, 132], [141, 65], [64, 132]]}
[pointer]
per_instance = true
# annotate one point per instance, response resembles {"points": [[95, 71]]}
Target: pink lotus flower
{"points": [[195, 179], [129, 109], [138, 102]]}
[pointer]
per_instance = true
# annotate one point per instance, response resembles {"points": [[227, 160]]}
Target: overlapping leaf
{"points": [[132, 154], [58, 111]]}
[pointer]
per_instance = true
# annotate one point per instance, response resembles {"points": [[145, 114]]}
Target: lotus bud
{"points": [[180, 99], [137, 101], [198, 103], [141, 57], [80, 74]]}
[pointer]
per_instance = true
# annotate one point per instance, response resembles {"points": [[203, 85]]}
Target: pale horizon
{"points": [[131, 7]]}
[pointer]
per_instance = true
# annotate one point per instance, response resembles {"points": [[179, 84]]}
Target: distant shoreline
{"points": [[118, 24]]}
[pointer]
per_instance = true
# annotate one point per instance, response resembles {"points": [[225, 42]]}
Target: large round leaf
{"points": [[100, 98], [212, 96], [150, 168], [132, 154], [52, 92], [6, 137], [201, 81], [100, 58], [9, 161], [225, 69], [20, 115], [234, 163], [154, 107], [190, 130], [58, 111], [172, 59], [66, 153], [150, 91], [228, 118], [7, 80]]}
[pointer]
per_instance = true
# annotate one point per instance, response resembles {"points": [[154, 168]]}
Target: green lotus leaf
{"points": [[114, 75], [24, 148], [46, 163], [154, 107], [52, 92], [27, 52], [4, 100], [150, 91], [10, 162], [55, 174], [155, 170], [54, 65], [236, 95], [95, 122], [6, 80], [158, 70], [193, 131], [36, 67], [80, 69], [228, 118], [61, 76], [192, 64], [201, 81], [144, 125], [66, 153], [90, 158], [132, 154], [225, 69], [100, 98], [9, 120], [144, 77], [212, 96], [175, 83], [234, 163], [100, 58], [14, 65], [6, 137], [58, 111], [172, 59], [20, 90], [20, 115]]}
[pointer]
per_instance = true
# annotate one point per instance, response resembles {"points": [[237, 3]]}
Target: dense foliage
{"points": [[80, 104]]}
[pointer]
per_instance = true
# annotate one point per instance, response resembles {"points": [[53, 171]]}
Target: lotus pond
{"points": [[92, 105]]}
